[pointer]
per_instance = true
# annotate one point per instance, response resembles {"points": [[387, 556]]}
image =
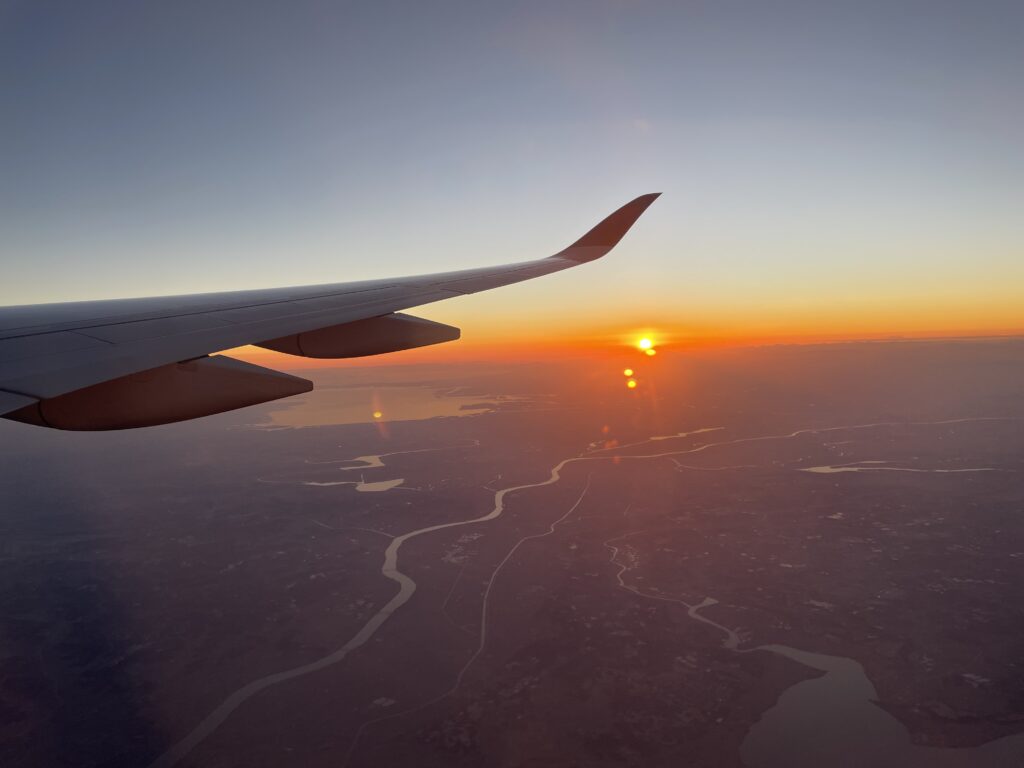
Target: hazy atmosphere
{"points": [[828, 169]]}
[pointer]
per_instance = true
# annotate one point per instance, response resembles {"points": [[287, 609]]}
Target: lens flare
{"points": [[628, 372], [631, 384], [650, 352], [377, 414]]}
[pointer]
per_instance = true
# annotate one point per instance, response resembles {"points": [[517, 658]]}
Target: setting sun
{"points": [[645, 343]]}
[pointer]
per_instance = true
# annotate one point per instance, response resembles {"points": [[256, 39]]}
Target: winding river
{"points": [[843, 691], [831, 721]]}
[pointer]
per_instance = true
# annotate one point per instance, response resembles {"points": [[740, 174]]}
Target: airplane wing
{"points": [[139, 362]]}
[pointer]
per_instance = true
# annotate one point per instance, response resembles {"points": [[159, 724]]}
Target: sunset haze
{"points": [[828, 172]]}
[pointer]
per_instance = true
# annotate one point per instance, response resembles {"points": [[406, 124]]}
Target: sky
{"points": [[828, 170]]}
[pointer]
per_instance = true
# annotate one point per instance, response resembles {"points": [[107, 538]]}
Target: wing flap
{"points": [[11, 401], [163, 395]]}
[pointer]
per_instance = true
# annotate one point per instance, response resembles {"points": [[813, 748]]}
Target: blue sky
{"points": [[820, 160]]}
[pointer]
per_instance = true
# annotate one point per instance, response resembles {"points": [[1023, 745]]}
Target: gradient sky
{"points": [[828, 168]]}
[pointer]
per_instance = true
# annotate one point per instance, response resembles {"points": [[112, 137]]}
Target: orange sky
{"points": [[527, 322], [608, 342]]}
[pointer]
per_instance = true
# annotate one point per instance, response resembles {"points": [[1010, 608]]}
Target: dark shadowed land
{"points": [[778, 556]]}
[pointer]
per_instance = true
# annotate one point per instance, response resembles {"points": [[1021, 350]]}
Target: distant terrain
{"points": [[779, 556]]}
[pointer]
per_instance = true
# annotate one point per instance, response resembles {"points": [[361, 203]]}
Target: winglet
{"points": [[606, 235]]}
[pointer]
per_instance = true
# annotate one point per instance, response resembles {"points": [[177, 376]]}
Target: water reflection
{"points": [[833, 720], [360, 405]]}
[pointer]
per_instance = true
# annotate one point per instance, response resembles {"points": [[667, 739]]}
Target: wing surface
{"points": [[50, 350]]}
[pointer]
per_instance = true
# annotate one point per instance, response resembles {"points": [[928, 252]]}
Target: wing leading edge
{"points": [[96, 365]]}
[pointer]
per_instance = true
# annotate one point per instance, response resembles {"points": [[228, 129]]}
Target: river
{"points": [[827, 722]]}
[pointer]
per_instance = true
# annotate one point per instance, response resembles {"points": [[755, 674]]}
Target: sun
{"points": [[645, 343]]}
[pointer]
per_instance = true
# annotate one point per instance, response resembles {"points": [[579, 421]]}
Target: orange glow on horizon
{"points": [[502, 344]]}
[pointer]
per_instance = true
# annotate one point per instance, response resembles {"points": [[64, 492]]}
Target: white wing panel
{"points": [[25, 347], [51, 350]]}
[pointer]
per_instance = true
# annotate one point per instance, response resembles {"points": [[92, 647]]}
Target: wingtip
{"points": [[607, 234]]}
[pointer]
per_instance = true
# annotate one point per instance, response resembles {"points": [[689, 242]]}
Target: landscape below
{"points": [[534, 564]]}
